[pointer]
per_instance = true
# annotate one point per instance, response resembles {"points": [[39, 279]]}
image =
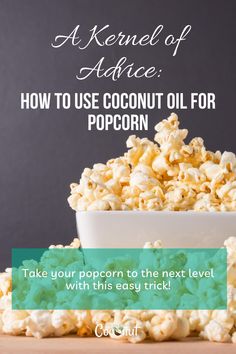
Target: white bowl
{"points": [[131, 229]]}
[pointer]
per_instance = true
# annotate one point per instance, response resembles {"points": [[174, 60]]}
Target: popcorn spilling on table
{"points": [[157, 325], [166, 175]]}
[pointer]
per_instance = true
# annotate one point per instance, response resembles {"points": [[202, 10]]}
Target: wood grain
{"points": [[73, 344]]}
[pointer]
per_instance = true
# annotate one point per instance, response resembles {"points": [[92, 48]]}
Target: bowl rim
{"points": [[157, 212]]}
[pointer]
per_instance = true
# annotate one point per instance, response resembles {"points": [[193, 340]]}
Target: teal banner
{"points": [[118, 279]]}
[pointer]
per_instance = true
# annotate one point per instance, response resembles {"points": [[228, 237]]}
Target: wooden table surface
{"points": [[72, 344]]}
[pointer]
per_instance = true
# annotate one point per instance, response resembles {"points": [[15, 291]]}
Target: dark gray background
{"points": [[41, 152]]}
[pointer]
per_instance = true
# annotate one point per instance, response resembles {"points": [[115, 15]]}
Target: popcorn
{"points": [[62, 322], [163, 325], [83, 323], [74, 244], [143, 178], [39, 324], [156, 244], [160, 165], [228, 161], [14, 322], [169, 137], [5, 282], [99, 205], [133, 331], [182, 328], [215, 332], [218, 329], [128, 325], [198, 319], [166, 174]]}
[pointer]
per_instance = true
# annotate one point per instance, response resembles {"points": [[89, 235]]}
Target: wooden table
{"points": [[72, 344]]}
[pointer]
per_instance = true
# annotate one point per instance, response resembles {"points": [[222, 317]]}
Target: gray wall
{"points": [[41, 152]]}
